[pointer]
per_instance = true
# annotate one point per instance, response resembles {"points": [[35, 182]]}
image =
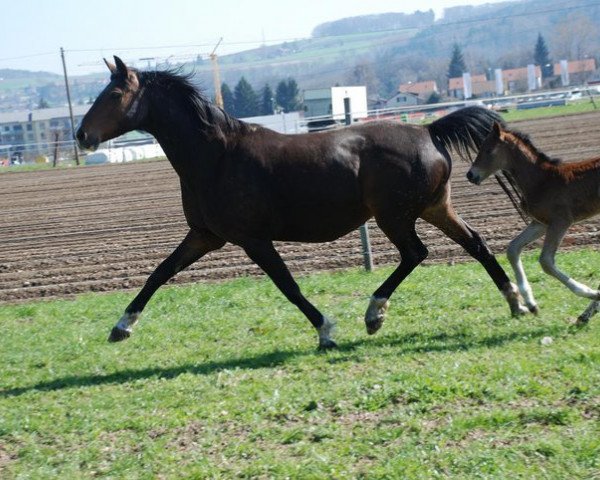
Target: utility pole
{"points": [[364, 229], [64, 64], [216, 75]]}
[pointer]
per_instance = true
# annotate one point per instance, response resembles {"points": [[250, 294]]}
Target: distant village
{"points": [[32, 133]]}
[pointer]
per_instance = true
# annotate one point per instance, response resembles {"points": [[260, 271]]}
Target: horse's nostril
{"points": [[469, 175]]}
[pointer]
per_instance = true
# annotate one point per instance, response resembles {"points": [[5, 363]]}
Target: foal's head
{"points": [[493, 156], [117, 110]]}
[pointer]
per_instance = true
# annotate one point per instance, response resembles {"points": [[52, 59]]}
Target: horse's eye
{"points": [[116, 94]]}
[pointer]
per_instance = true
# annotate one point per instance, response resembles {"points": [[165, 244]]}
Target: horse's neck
{"points": [[182, 139], [525, 171]]}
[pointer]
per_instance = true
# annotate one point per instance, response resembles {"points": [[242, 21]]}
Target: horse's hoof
{"points": [[533, 309], [327, 345], [582, 320], [118, 335], [376, 314], [374, 326]]}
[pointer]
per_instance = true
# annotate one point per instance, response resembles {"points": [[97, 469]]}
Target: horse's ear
{"points": [[111, 66], [121, 67]]}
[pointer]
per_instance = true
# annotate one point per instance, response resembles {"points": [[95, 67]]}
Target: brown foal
{"points": [[556, 195]]}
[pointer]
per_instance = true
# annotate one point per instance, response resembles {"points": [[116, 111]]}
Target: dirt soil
{"points": [[107, 227]]}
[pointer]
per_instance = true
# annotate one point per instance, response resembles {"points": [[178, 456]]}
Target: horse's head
{"points": [[491, 157], [117, 110]]}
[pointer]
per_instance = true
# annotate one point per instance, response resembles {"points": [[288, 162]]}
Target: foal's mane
{"points": [[174, 83], [523, 142]]}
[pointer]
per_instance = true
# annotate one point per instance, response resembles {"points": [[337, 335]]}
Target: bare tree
{"points": [[573, 37]]}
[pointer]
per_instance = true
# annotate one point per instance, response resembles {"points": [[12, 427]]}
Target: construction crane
{"points": [[216, 75]]}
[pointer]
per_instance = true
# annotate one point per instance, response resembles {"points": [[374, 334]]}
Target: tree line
{"points": [[540, 57], [243, 101]]}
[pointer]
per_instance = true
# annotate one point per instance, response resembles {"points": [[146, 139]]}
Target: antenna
{"points": [[216, 75]]}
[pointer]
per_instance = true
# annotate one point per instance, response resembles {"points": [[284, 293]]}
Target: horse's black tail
{"points": [[464, 130]]}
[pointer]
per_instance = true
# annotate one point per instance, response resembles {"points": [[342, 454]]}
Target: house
{"points": [[27, 134], [422, 89], [517, 79], [330, 101], [402, 99], [479, 86], [579, 71]]}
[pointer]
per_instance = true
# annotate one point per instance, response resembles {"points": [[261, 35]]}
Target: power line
{"points": [[333, 36], [32, 55]]}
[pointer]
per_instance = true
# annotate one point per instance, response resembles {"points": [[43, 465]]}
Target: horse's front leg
{"points": [[263, 253], [194, 245], [554, 236], [532, 232]]}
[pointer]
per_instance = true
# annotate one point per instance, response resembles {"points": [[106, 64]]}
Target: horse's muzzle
{"points": [[86, 141], [473, 178]]}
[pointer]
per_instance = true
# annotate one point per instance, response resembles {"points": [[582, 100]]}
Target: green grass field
{"points": [[581, 106], [224, 380]]}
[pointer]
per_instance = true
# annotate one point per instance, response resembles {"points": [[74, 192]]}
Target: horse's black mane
{"points": [[177, 83], [541, 156]]}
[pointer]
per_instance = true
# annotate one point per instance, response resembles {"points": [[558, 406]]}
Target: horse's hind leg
{"points": [[412, 252], [263, 253], [194, 245], [589, 312], [554, 236], [445, 218]]}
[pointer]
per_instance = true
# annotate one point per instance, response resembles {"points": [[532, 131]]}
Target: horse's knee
{"points": [[547, 264]]}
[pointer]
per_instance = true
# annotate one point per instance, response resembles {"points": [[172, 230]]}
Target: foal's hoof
{"points": [[582, 320], [521, 310], [376, 314], [118, 335], [327, 345]]}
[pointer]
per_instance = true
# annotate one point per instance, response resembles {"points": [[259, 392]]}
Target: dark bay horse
{"points": [[555, 194], [248, 185]]}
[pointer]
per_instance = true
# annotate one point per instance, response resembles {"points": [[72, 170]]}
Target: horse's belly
{"points": [[322, 225]]}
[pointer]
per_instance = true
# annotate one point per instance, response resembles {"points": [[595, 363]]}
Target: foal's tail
{"points": [[464, 130]]}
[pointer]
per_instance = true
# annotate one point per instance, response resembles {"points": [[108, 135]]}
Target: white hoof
{"points": [[325, 333]]}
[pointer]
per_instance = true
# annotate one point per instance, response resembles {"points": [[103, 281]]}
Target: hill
{"points": [[385, 50]]}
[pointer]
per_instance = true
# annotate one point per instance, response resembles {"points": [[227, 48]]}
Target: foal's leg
{"points": [[412, 253], [445, 218], [532, 232], [554, 236], [263, 253], [589, 312], [194, 245]]}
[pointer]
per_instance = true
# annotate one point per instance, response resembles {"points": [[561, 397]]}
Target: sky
{"points": [[33, 31]]}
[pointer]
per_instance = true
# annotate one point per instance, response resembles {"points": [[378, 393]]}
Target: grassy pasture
{"points": [[224, 380]]}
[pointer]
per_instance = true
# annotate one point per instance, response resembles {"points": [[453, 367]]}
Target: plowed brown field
{"points": [[107, 227]]}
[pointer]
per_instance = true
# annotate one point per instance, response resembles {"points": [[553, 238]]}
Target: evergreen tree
{"points": [[266, 105], [43, 104], [287, 95], [246, 100], [228, 100], [541, 56], [457, 63]]}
